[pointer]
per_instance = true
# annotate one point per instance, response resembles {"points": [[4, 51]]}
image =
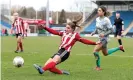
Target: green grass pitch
{"points": [[81, 63]]}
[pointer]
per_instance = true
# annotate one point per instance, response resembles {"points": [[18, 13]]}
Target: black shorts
{"points": [[118, 33], [19, 34], [63, 54]]}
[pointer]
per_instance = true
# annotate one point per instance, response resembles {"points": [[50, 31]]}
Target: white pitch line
{"points": [[109, 55]]}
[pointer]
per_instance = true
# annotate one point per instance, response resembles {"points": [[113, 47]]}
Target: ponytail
{"points": [[74, 24], [107, 14]]}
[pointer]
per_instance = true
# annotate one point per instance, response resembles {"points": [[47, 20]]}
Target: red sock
{"points": [[17, 46], [55, 70], [49, 66], [21, 46]]}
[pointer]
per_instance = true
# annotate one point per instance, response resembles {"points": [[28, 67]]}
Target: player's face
{"points": [[15, 16], [100, 12], [117, 15], [68, 29]]}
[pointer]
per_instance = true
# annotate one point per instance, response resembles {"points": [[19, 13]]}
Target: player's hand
{"points": [[98, 42], [101, 35]]}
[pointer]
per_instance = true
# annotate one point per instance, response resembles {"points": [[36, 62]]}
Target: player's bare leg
{"points": [[19, 44]]}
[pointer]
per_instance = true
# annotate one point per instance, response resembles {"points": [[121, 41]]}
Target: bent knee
{"points": [[105, 54]]}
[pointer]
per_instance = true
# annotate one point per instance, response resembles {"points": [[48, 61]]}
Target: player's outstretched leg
{"points": [[38, 68], [112, 50], [57, 71]]}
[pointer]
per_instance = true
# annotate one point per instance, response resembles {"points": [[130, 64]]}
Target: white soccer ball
{"points": [[18, 61]]}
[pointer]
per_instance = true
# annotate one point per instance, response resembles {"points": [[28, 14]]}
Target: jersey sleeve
{"points": [[85, 41], [59, 33], [109, 26], [122, 22], [95, 31]]}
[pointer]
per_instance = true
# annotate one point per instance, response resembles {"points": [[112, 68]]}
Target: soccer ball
{"points": [[18, 61]]}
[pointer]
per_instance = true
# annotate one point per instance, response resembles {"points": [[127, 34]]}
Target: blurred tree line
{"points": [[30, 13]]}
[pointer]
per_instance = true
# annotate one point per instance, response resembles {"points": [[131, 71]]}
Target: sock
{"points": [[49, 66], [21, 46], [120, 42], [17, 46], [55, 70], [112, 50], [96, 54]]}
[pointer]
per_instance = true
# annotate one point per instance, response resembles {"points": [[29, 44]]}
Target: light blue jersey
{"points": [[103, 26]]}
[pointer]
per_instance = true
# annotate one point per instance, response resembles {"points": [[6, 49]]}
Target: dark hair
{"points": [[104, 9], [74, 24]]}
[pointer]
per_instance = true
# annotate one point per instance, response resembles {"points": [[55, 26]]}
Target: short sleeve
{"points": [[78, 37], [109, 23], [122, 22], [61, 33]]}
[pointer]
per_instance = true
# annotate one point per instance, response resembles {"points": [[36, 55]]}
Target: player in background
{"points": [[103, 29], [68, 39], [18, 25], [119, 26]]}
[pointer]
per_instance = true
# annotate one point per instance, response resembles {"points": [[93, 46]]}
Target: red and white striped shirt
{"points": [[68, 40], [18, 24]]}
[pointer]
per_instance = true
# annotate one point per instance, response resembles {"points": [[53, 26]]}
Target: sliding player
{"points": [[68, 39]]}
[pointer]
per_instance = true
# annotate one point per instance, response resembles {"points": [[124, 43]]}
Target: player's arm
{"points": [[85, 41], [12, 28], [110, 28], [94, 32], [52, 31], [22, 23], [114, 25], [122, 25]]}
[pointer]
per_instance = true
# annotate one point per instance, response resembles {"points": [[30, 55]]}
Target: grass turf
{"points": [[81, 63]]}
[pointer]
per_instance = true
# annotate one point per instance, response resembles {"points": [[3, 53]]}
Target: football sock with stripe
{"points": [[112, 50], [55, 70], [49, 66], [96, 54]]}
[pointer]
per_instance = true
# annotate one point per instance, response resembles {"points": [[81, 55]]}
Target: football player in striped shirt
{"points": [[18, 25], [68, 39]]}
